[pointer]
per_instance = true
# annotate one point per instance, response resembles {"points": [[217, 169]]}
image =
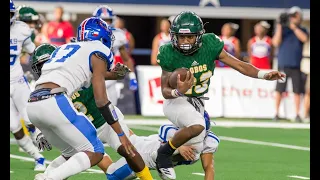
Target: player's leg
{"points": [[280, 89], [296, 76], [107, 134], [192, 125], [112, 91], [105, 163], [20, 98], [120, 170], [84, 148], [23, 140], [307, 99]]}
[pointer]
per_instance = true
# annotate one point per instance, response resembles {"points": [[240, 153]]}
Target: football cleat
{"points": [[166, 173], [40, 165]]}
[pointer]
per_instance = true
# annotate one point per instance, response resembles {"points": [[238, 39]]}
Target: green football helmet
{"points": [[30, 16], [187, 23], [41, 55]]}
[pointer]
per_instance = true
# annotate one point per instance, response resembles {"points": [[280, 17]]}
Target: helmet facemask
{"points": [[36, 67], [186, 49]]}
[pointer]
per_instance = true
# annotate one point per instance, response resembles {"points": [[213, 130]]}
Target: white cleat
{"points": [[167, 173], [42, 176], [40, 165]]}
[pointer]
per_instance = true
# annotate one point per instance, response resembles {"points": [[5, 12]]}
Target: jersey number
{"points": [[13, 57], [204, 79], [68, 51]]}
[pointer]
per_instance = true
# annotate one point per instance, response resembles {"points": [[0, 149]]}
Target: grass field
{"points": [[245, 153]]}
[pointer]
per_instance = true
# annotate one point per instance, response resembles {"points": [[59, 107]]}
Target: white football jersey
{"points": [[70, 65], [147, 146], [20, 39], [120, 40]]}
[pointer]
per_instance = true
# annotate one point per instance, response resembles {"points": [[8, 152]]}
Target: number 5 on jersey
{"points": [[60, 55], [13, 57]]}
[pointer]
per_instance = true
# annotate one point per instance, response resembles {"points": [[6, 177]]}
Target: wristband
{"points": [[121, 134], [132, 75], [262, 73], [175, 93]]}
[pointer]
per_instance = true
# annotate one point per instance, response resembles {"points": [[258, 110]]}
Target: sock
{"points": [[144, 174], [76, 164], [167, 148], [26, 144], [55, 163]]}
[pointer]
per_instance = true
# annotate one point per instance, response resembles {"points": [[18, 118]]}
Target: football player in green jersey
{"points": [[191, 48], [84, 102]]}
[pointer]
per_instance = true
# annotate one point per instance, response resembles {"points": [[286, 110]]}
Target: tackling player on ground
{"points": [[85, 103], [119, 50], [19, 89], [147, 146], [184, 106]]}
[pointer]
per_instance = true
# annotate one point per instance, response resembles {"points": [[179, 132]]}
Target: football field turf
{"points": [[245, 153]]}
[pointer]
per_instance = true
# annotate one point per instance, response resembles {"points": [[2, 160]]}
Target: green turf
{"points": [[233, 160]]}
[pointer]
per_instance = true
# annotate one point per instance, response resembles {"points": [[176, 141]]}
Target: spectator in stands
{"points": [[260, 47], [307, 100], [59, 31], [160, 39], [289, 40], [42, 36], [120, 23], [231, 43]]}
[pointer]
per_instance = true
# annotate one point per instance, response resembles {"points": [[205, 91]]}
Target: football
{"points": [[173, 76]]}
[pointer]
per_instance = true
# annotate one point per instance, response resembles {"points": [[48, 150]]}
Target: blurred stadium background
{"points": [[252, 147]]}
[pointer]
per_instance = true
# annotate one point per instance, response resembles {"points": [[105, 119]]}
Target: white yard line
{"points": [[299, 177], [28, 159], [199, 174], [257, 124], [154, 129]]}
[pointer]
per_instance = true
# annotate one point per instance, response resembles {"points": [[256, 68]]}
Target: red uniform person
{"points": [[59, 32], [260, 47]]}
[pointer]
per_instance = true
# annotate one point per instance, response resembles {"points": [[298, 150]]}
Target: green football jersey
{"points": [[84, 102], [201, 63]]}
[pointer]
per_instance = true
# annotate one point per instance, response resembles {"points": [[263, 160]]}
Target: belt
{"points": [[46, 93]]}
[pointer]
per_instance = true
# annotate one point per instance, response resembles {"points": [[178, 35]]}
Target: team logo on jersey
{"points": [[195, 63]]}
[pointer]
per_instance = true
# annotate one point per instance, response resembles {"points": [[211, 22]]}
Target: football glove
{"points": [[42, 143]]}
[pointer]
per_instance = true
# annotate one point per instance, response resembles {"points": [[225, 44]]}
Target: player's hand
{"points": [[274, 75], [127, 145], [43, 143], [187, 152], [121, 70], [184, 86]]}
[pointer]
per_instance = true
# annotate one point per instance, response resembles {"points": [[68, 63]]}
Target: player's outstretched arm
{"points": [[100, 95], [207, 165], [248, 69]]}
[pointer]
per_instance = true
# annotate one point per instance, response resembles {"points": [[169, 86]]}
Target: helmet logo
{"points": [[184, 31], [104, 11]]}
